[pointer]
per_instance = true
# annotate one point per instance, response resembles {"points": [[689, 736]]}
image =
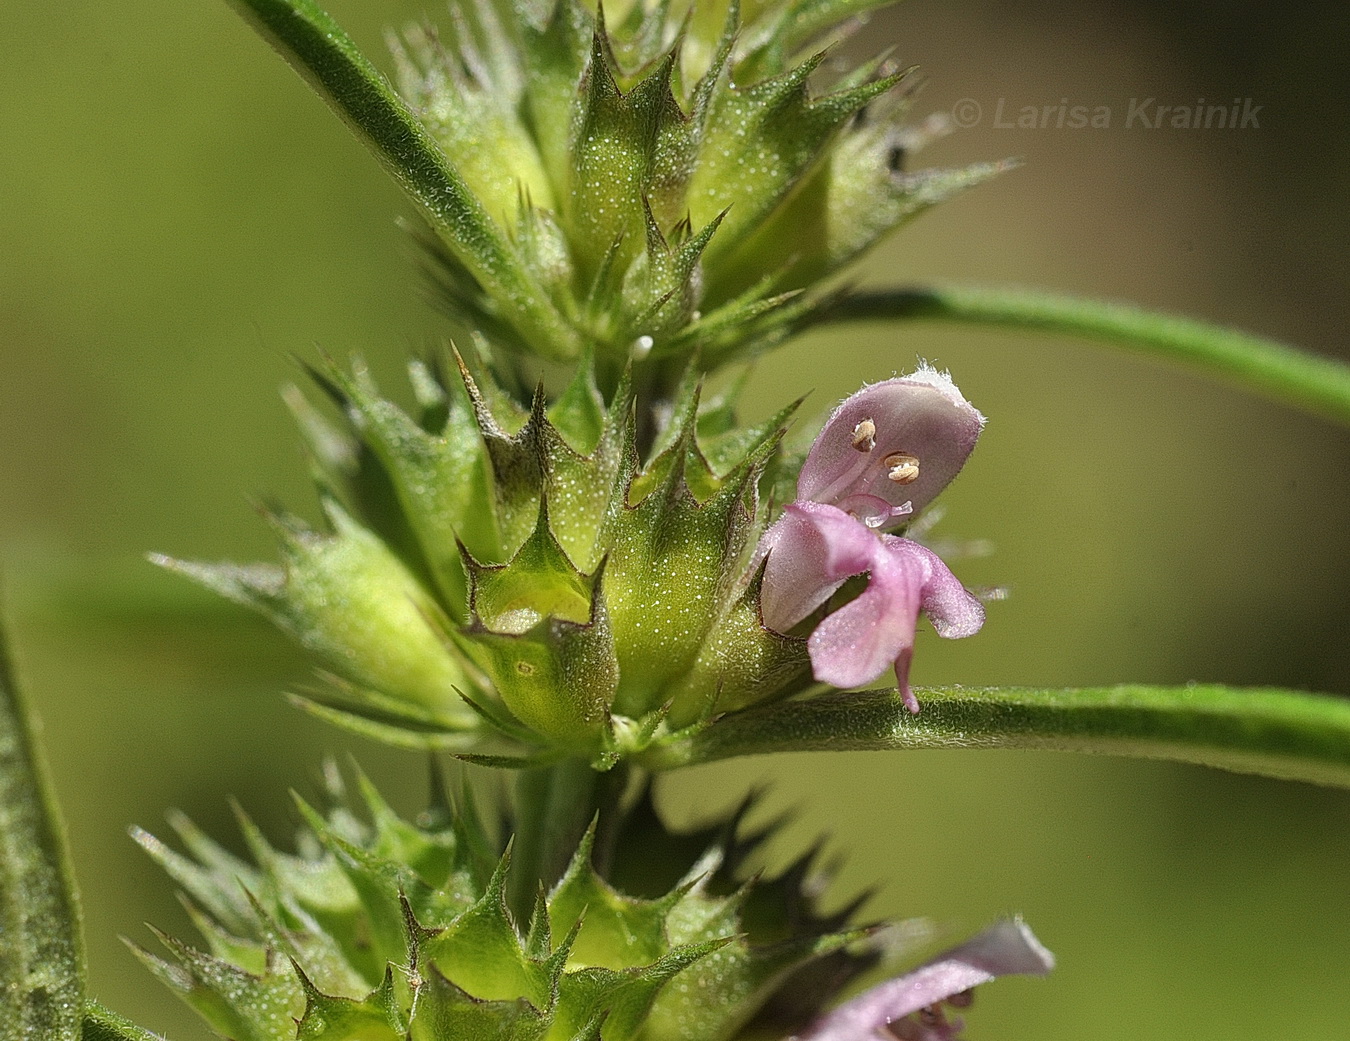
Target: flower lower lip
{"points": [[813, 549]]}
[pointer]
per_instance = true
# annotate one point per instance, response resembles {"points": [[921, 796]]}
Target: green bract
{"points": [[663, 180], [668, 178], [382, 930], [527, 583]]}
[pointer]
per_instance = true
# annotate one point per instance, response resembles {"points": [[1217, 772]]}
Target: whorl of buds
{"points": [[658, 179], [379, 929], [526, 584]]}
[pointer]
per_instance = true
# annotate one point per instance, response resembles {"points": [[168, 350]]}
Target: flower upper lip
{"points": [[921, 416]]}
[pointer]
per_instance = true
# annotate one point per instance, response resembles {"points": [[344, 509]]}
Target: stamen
{"points": [[865, 436], [902, 468], [962, 999]]}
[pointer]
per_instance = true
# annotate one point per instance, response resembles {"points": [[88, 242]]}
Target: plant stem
{"points": [[41, 951], [1279, 733], [1313, 383], [554, 805], [318, 49]]}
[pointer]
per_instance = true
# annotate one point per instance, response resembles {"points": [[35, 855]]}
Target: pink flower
{"points": [[882, 456], [911, 1007]]}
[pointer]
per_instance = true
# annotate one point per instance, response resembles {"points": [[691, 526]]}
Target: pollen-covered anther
{"points": [[864, 437], [902, 468]]}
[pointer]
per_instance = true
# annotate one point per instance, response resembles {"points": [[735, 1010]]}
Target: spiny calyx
{"points": [[658, 181], [526, 583], [378, 929]]}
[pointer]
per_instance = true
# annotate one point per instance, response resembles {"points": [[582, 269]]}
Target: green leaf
{"points": [[41, 955], [102, 1024], [1313, 383], [318, 49], [1279, 733]]}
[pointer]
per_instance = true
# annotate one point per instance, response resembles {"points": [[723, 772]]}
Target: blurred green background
{"points": [[179, 219]]}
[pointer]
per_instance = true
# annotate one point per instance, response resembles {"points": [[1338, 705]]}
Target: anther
{"points": [[865, 436], [902, 468], [962, 999]]}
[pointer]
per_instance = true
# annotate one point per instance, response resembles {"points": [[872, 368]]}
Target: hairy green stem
{"points": [[1313, 383], [554, 806], [41, 951], [1279, 733]]}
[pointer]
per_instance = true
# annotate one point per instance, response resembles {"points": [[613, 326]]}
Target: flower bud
{"points": [[528, 586], [381, 929]]}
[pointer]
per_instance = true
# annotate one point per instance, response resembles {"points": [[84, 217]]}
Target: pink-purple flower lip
{"points": [[813, 549]]}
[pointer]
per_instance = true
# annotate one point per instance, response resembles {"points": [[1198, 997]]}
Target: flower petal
{"points": [[953, 610], [898, 443], [858, 642], [1006, 948], [811, 550], [861, 640]]}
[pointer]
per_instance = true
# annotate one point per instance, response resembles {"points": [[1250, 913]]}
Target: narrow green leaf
{"points": [[41, 952], [317, 48], [102, 1024], [1279, 733], [1313, 383]]}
